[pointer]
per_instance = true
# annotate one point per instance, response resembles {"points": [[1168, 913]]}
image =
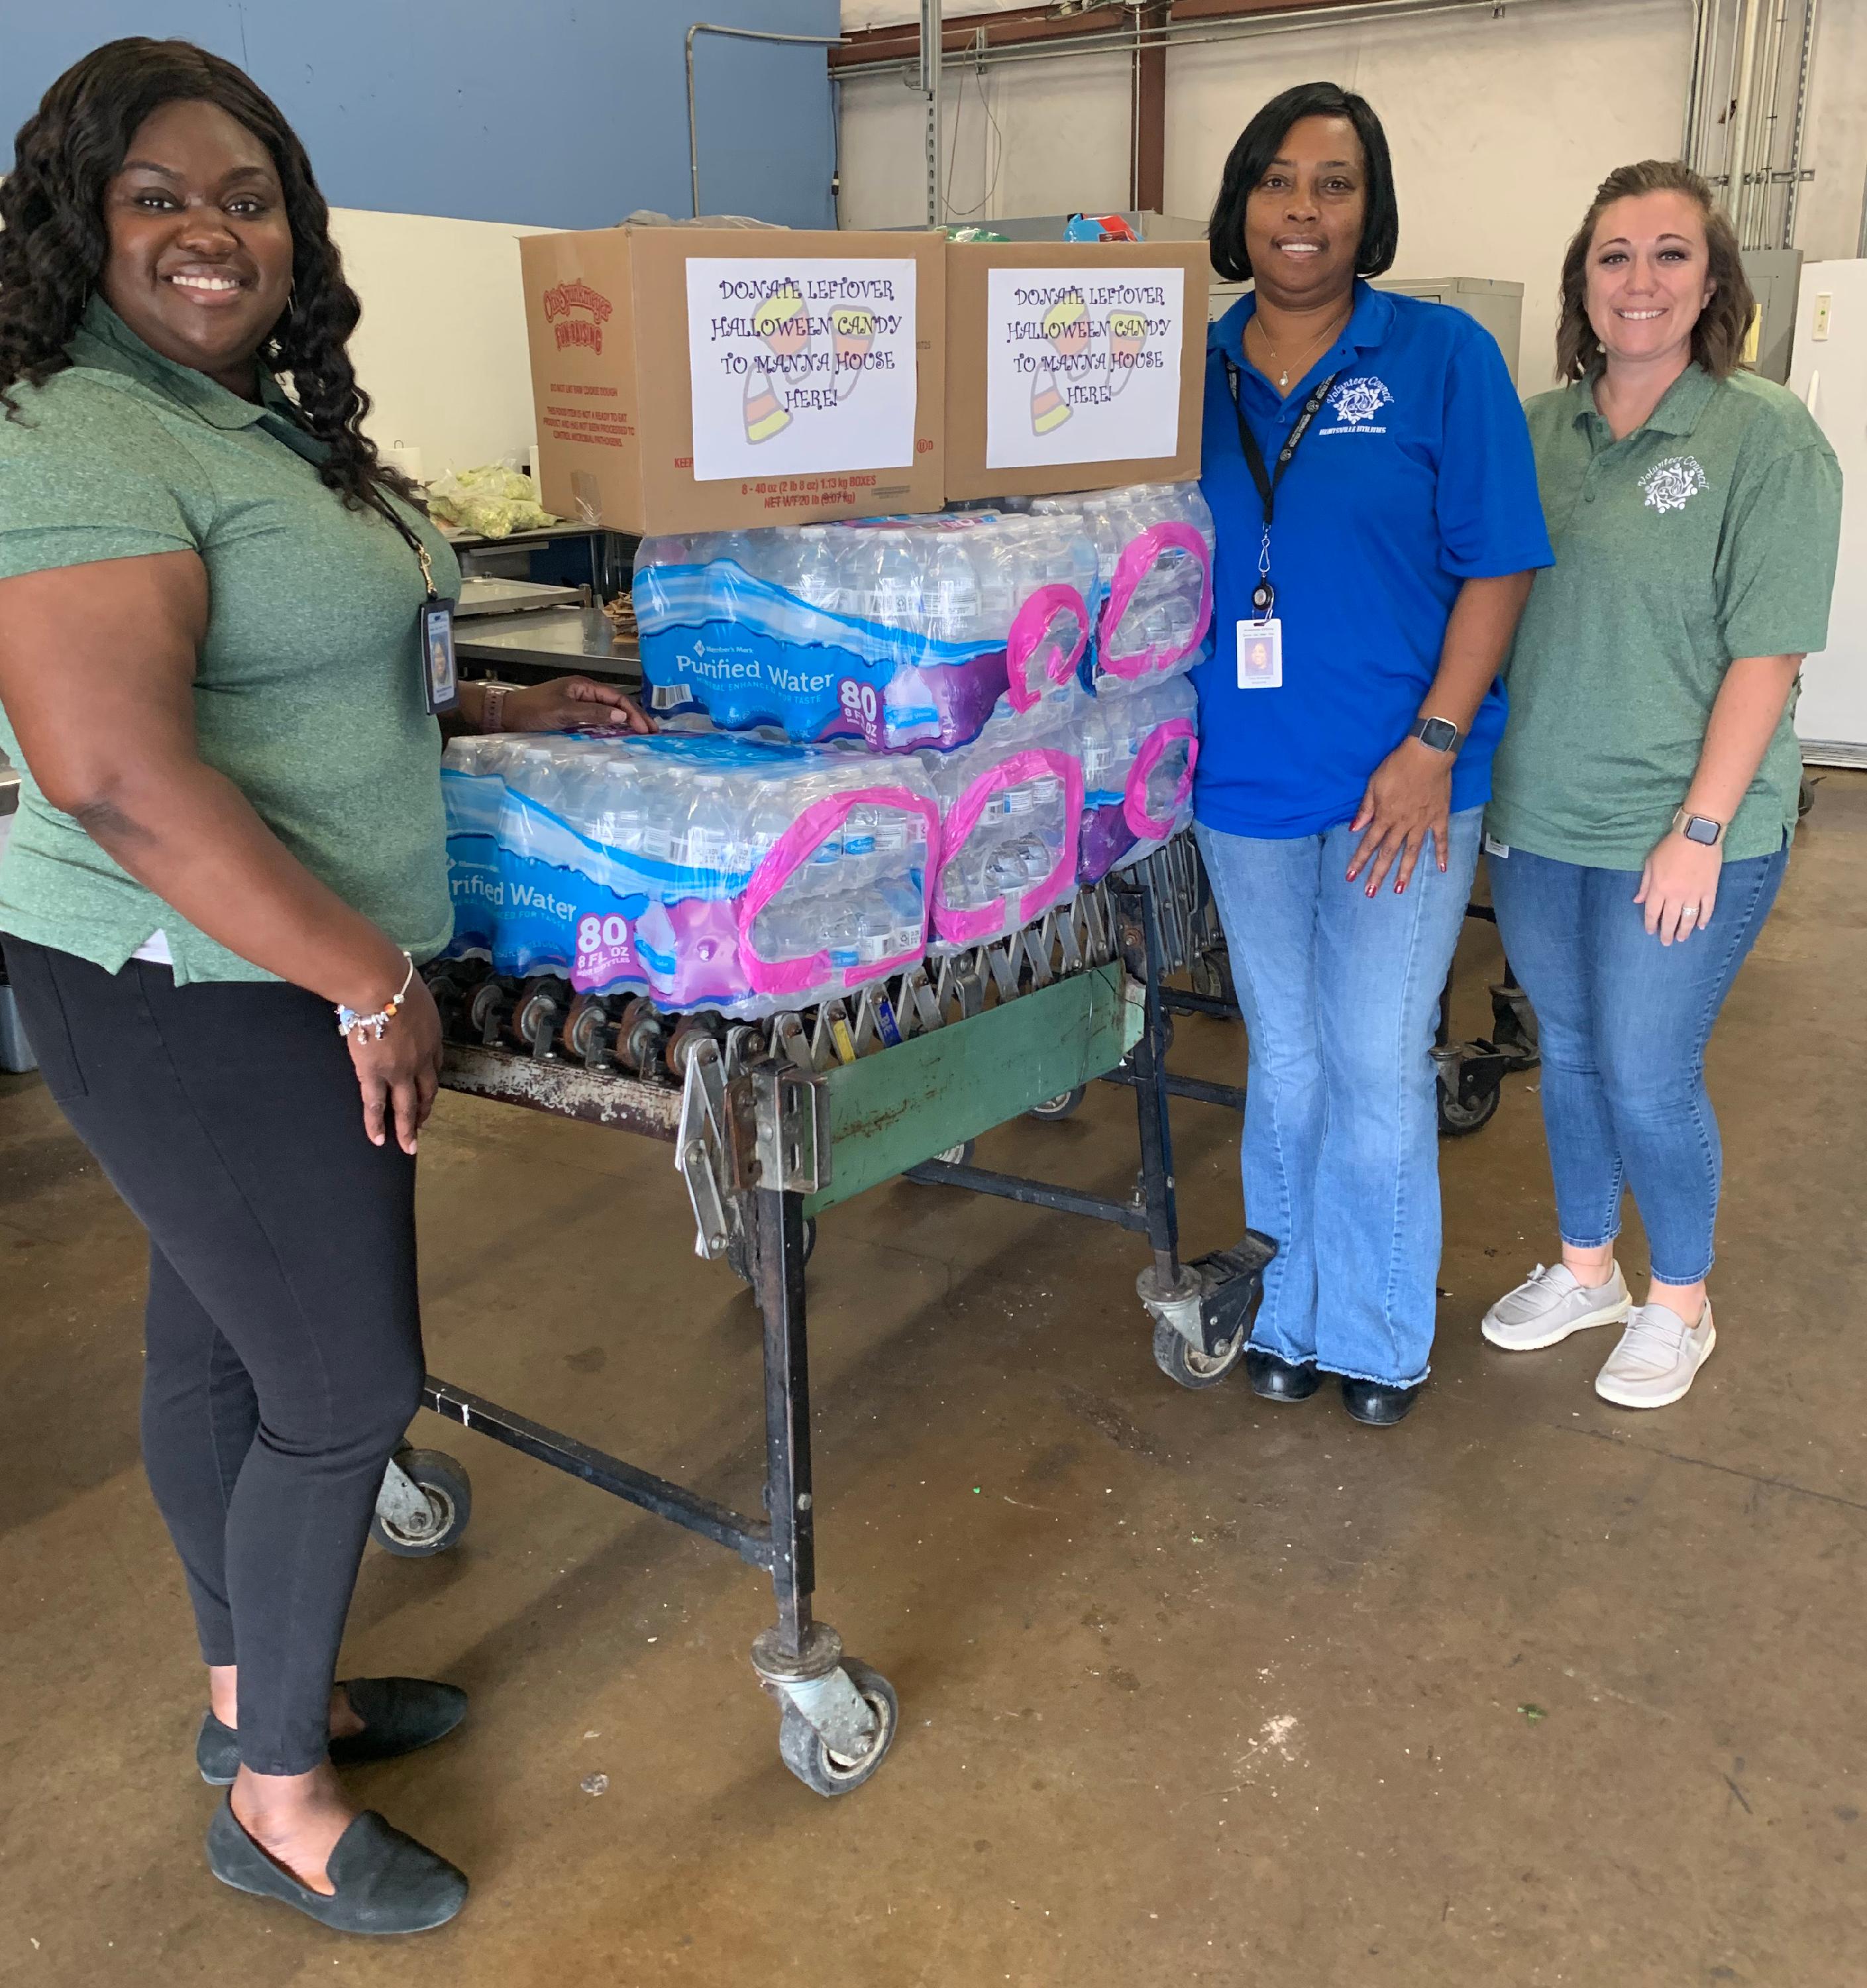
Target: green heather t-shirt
{"points": [[1708, 534], [307, 695]]}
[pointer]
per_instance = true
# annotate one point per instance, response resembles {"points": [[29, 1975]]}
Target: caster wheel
{"points": [[449, 1492], [960, 1156], [1062, 1106], [1188, 1367], [1212, 977], [739, 1251], [827, 1773], [1463, 1111]]}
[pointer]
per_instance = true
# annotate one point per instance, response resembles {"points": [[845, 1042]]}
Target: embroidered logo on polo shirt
{"points": [[1670, 485], [1359, 400]]}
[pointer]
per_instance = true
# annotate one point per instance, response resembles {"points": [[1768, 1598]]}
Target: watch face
{"points": [[1440, 733], [1699, 829]]}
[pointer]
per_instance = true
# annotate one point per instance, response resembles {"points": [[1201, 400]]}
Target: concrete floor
{"points": [[1529, 1691]]}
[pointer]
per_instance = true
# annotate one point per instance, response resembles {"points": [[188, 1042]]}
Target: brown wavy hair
{"points": [[1718, 337], [53, 242]]}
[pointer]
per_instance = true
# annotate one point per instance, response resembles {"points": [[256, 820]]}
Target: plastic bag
{"points": [[494, 500]]}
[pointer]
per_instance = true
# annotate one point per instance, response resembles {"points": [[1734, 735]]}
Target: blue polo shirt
{"points": [[1416, 476]]}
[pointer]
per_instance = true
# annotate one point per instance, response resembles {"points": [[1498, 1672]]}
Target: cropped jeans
{"points": [[1340, 992], [1623, 1022]]}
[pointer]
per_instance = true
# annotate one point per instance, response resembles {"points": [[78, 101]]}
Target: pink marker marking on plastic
{"points": [[1134, 794], [1029, 627], [789, 853], [960, 928], [1140, 553]]}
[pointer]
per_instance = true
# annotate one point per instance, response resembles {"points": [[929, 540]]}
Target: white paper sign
{"points": [[1081, 365], [801, 365]]}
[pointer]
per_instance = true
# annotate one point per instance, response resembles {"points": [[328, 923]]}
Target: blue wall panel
{"points": [[566, 113]]}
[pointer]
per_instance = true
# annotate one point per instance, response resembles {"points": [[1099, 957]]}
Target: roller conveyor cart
{"points": [[774, 1122]]}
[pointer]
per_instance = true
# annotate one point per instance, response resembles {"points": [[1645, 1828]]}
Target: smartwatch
{"points": [[1699, 828], [1439, 733]]}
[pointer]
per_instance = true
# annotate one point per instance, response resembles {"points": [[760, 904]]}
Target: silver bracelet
{"points": [[351, 1023]]}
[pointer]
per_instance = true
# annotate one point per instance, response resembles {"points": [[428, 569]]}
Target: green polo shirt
{"points": [[1708, 534], [307, 690]]}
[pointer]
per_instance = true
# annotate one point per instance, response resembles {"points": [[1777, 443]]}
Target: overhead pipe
{"points": [[1292, 19], [1737, 138], [736, 35]]}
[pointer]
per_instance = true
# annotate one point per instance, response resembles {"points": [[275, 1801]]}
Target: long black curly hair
{"points": [[53, 242]]}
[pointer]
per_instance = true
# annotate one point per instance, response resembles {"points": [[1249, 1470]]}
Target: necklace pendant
{"points": [[1283, 379]]}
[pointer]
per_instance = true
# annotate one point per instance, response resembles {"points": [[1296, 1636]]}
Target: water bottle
{"points": [[816, 579], [953, 590], [989, 550], [897, 598]]}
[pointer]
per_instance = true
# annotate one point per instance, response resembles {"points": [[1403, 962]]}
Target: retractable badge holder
{"points": [[1260, 640]]}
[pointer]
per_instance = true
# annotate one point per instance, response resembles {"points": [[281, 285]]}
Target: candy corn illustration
{"points": [[1066, 327], [783, 321]]}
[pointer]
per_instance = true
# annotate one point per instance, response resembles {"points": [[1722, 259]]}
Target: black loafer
{"points": [[1277, 1380], [387, 1882], [1376, 1404], [399, 1716]]}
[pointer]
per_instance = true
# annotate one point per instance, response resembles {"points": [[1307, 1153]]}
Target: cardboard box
{"points": [[1073, 367], [694, 380]]}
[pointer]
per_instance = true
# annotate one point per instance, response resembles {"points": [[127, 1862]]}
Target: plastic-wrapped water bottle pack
{"points": [[910, 633], [1153, 603], [901, 633], [1140, 745], [708, 872]]}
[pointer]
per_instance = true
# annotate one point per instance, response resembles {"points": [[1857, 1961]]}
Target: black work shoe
{"points": [[1280, 1380], [387, 1882], [399, 1716], [1376, 1404]]}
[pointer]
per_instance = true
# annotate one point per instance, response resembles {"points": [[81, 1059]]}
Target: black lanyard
{"points": [[440, 689], [1263, 595]]}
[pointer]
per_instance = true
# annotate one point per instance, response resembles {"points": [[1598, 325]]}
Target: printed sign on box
{"points": [[800, 365], [1082, 367]]}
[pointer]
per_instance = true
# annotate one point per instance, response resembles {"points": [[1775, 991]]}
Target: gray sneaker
{"points": [[1658, 1358], [1549, 1305]]}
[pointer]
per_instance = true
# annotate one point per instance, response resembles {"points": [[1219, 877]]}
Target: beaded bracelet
{"points": [[351, 1023]]}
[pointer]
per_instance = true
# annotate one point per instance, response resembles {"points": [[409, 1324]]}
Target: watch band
{"points": [[1699, 828], [492, 705]]}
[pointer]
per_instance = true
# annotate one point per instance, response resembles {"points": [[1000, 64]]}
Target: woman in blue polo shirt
{"points": [[1370, 475]]}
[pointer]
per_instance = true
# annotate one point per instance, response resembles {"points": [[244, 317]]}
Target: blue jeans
{"points": [[1340, 992], [1623, 1022]]}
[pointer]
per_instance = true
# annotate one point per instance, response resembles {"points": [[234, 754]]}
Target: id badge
{"points": [[1260, 655], [440, 682]]}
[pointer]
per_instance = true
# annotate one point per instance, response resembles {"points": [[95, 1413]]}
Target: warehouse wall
{"points": [[1500, 130], [563, 113], [1830, 216]]}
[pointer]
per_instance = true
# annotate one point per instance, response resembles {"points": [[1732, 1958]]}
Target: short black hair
{"points": [[1258, 146]]}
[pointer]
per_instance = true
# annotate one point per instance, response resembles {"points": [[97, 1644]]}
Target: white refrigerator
{"points": [[1829, 374]]}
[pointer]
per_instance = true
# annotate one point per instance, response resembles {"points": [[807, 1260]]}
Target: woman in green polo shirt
{"points": [[231, 824], [1646, 791]]}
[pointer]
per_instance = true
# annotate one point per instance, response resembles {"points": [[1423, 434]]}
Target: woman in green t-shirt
{"points": [[1646, 791], [231, 824]]}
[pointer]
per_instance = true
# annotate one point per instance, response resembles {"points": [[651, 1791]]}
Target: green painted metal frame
{"points": [[890, 1112]]}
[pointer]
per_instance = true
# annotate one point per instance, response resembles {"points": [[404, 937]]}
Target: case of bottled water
{"points": [[903, 632], [1152, 602], [709, 871], [1140, 745], [1011, 805]]}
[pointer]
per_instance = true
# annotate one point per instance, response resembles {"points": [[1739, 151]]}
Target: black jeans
{"points": [[284, 1334]]}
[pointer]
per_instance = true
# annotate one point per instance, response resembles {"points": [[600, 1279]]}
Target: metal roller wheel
{"points": [[804, 1753], [1185, 1366], [1062, 1106], [449, 1492]]}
